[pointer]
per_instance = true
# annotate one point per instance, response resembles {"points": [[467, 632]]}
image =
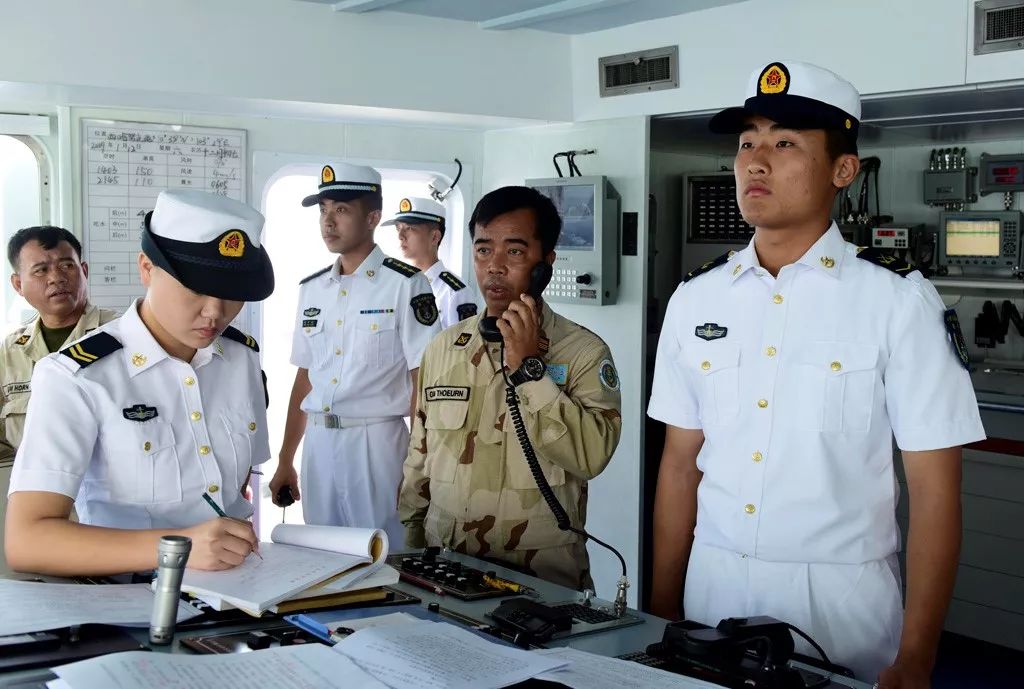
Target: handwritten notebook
{"points": [[298, 557]]}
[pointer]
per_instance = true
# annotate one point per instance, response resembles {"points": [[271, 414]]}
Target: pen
{"points": [[220, 513]]}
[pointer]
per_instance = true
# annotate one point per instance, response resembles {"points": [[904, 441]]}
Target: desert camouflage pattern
{"points": [[467, 485]]}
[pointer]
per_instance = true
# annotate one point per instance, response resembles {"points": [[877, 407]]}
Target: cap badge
{"points": [[774, 79], [327, 175], [232, 244], [405, 206]]}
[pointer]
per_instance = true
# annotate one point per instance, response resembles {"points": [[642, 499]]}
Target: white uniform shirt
{"points": [[91, 431], [455, 300], [358, 335], [799, 384]]}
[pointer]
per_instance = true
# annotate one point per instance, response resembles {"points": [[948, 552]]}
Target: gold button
{"points": [[771, 351], [190, 381], [196, 416], [327, 409], [307, 330], [706, 365], [212, 488], [344, 292], [762, 403], [777, 298], [749, 509], [147, 446], [338, 351], [373, 327], [757, 456], [252, 425], [204, 449], [339, 321], [836, 366], [334, 381]]}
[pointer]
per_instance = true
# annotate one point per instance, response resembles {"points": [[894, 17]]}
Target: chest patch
{"points": [[311, 312], [442, 393], [710, 331], [139, 412], [17, 388]]}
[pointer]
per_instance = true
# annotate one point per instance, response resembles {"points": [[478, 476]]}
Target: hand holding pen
{"points": [[221, 543]]}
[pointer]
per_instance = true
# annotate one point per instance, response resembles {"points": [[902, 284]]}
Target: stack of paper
{"points": [[297, 558], [31, 606], [288, 667], [589, 671]]}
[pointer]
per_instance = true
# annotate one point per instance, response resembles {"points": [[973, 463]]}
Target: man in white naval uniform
{"points": [[421, 228], [784, 371], [361, 326]]}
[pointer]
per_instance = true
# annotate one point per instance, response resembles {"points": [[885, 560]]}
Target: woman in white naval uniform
{"points": [[136, 421], [421, 227], [783, 372], [361, 327]]}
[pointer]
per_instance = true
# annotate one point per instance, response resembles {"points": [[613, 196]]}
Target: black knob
{"points": [[407, 564], [430, 554], [257, 641], [461, 583], [434, 607], [584, 279]]}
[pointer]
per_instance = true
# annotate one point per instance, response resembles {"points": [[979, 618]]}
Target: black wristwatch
{"points": [[532, 368]]}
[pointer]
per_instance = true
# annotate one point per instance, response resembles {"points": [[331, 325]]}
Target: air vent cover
{"points": [[646, 70], [998, 26]]}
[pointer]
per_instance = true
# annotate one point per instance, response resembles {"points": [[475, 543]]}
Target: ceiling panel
{"points": [[558, 16]]}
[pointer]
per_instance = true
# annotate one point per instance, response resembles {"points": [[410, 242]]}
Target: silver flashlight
{"points": [[172, 554]]}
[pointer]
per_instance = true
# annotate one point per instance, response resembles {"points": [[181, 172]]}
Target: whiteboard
{"points": [[125, 165]]}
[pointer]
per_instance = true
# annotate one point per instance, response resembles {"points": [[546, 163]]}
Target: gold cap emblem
{"points": [[327, 175], [774, 79], [232, 244], [405, 206]]}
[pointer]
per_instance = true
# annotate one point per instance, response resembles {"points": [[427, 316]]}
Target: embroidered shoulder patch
{"points": [[424, 308], [314, 275], [449, 279], [400, 267], [465, 311], [462, 340], [23, 339], [886, 260], [609, 376], [956, 337], [710, 265], [92, 349], [233, 333]]}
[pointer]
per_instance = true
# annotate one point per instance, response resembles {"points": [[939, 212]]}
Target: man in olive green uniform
{"points": [[467, 484], [50, 275]]}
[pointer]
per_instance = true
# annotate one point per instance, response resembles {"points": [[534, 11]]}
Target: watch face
{"points": [[534, 368]]}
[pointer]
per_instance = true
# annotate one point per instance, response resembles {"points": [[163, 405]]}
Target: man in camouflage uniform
{"points": [[467, 484]]}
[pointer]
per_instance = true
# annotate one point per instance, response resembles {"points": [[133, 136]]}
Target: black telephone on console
{"points": [[540, 276]]}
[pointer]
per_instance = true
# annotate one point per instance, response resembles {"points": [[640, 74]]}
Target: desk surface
{"points": [[609, 643]]}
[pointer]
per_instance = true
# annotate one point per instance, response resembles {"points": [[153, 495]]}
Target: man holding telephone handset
{"points": [[467, 483]]}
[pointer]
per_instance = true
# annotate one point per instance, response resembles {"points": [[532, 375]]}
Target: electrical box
{"points": [[1000, 174]]}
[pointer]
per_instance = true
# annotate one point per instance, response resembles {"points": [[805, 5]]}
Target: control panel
{"points": [[432, 572]]}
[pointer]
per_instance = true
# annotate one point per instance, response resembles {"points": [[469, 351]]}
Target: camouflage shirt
{"points": [[467, 484]]}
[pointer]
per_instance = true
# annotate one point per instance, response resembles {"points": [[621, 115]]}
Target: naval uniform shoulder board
{"points": [[401, 267], [92, 349], [233, 333], [710, 265], [314, 275], [885, 260], [452, 281]]}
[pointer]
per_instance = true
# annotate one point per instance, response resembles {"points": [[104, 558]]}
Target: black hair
{"points": [[372, 201], [838, 142], [547, 222], [47, 235]]}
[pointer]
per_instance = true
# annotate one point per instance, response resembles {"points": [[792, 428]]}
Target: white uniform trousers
{"points": [[854, 612], [350, 476]]}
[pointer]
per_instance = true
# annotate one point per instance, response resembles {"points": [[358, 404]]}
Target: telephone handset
{"points": [[540, 276]]}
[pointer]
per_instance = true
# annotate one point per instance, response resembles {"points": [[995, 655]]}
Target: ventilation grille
{"points": [[646, 70], [998, 26]]}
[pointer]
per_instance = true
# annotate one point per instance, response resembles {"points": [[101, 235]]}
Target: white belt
{"points": [[335, 421]]}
